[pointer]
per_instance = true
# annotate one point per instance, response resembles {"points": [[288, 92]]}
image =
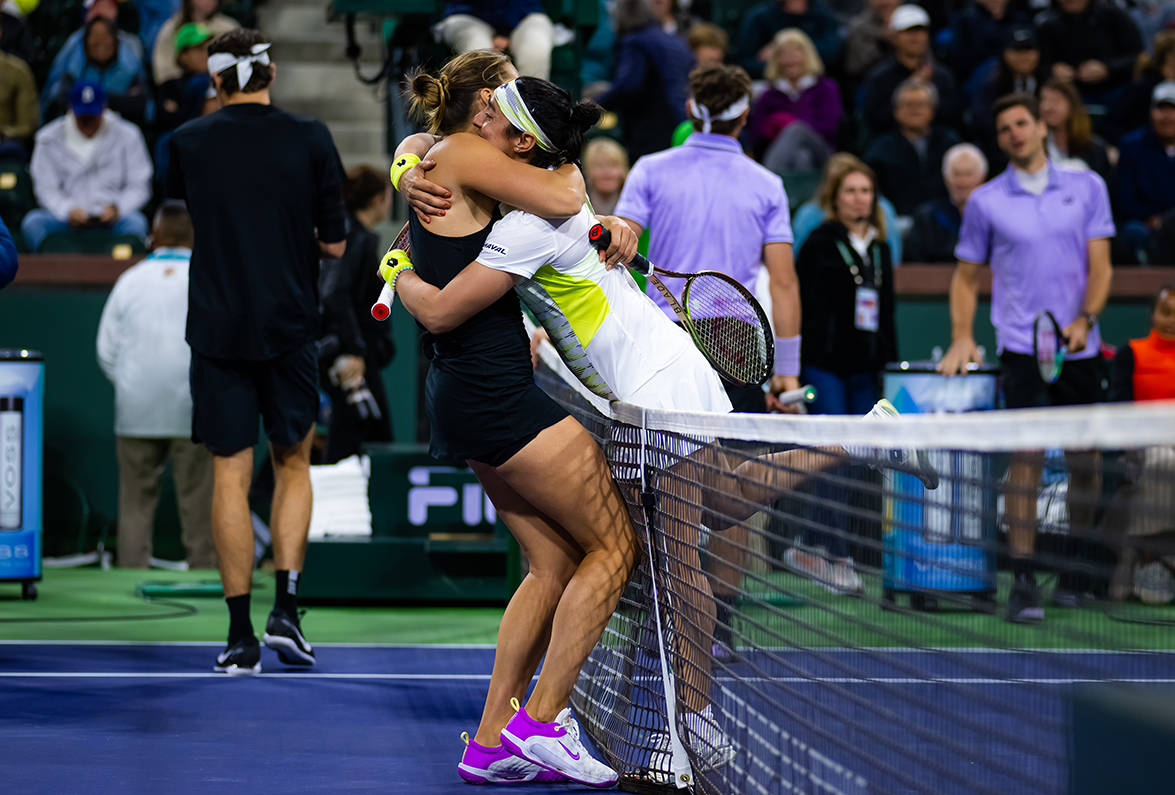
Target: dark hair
{"points": [[1168, 288], [111, 28], [718, 87], [186, 15], [1005, 81], [1026, 101], [1080, 127], [363, 185], [445, 102], [632, 15], [240, 42], [172, 226], [564, 121]]}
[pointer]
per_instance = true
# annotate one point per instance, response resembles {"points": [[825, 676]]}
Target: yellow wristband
{"points": [[394, 263], [400, 166]]}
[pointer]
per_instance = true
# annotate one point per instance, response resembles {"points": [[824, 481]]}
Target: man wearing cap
{"points": [[1045, 232], [265, 192], [182, 99], [1146, 174], [1092, 43], [90, 170], [1017, 71], [910, 30]]}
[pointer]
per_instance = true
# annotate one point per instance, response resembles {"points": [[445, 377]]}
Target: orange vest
{"points": [[1154, 368]]}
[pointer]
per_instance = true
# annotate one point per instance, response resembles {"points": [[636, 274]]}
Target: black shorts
{"points": [[229, 394], [1082, 381]]}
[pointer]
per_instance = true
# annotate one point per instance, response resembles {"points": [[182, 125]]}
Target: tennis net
{"points": [[807, 616]]}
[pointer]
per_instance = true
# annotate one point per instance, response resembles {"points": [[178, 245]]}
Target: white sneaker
{"points": [[912, 462], [555, 746], [1152, 584], [710, 745], [809, 562], [845, 579]]}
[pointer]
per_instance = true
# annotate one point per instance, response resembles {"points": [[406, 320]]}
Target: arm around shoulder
{"points": [[547, 194]]}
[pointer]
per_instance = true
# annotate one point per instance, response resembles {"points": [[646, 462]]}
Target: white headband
{"points": [[224, 60], [732, 112], [515, 110]]}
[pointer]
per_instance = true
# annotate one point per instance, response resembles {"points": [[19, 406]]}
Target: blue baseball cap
{"points": [[87, 99]]}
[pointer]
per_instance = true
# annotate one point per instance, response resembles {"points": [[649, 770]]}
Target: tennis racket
{"points": [[805, 394], [723, 318], [382, 308], [1049, 346]]}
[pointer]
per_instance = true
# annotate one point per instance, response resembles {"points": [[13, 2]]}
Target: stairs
{"points": [[315, 79]]}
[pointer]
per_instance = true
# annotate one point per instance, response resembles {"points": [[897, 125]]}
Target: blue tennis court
{"points": [[153, 718]]}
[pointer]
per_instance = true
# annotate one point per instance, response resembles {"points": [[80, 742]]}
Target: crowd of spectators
{"points": [[89, 93], [901, 85]]}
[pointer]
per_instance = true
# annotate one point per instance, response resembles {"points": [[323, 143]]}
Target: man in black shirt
{"points": [[264, 190]]}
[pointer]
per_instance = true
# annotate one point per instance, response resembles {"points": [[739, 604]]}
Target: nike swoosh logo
{"points": [[222, 659], [569, 753]]}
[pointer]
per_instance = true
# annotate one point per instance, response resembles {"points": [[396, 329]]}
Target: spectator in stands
{"points": [[1094, 44], [673, 18], [165, 63], [761, 22], [355, 347], [1018, 71], [90, 170], [811, 215], [935, 232], [801, 110], [605, 168], [1146, 174], [908, 160], [183, 98], [20, 115], [650, 89], [107, 63], [909, 26], [708, 42], [868, 44], [1072, 141], [141, 349], [8, 258], [153, 14], [1133, 108], [521, 26], [71, 57], [980, 34], [16, 38]]}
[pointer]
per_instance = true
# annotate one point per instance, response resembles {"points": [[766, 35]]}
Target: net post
{"points": [[679, 764]]}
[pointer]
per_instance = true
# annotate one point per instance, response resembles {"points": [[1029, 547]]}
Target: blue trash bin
{"points": [[938, 543], [21, 381]]}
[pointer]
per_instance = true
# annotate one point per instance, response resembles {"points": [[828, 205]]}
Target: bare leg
{"points": [[1085, 489], [563, 474], [232, 528], [292, 502], [525, 631], [738, 486], [1020, 502]]}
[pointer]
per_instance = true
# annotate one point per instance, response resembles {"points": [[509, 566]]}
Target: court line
{"points": [[220, 644]]}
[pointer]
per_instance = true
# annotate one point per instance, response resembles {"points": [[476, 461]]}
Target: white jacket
{"points": [[115, 169], [141, 347]]}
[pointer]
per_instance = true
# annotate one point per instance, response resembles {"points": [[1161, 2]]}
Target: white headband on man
{"points": [[731, 113], [225, 60], [515, 110]]}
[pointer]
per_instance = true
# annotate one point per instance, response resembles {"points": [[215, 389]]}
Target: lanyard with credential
{"points": [[867, 314], [852, 263]]}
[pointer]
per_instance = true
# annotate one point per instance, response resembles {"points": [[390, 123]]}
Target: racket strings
{"points": [[729, 326]]}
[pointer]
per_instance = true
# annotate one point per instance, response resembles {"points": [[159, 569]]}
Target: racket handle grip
{"points": [[601, 238], [805, 394], [382, 308]]}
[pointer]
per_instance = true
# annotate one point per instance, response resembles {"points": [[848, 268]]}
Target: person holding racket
{"points": [[1045, 232]]}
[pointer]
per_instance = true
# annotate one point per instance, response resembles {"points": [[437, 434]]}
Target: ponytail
{"points": [[446, 103], [564, 121]]}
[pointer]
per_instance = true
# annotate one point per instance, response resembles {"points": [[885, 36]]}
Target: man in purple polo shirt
{"points": [[1045, 232], [708, 206]]}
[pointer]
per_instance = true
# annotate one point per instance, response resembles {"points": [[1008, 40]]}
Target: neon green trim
{"points": [[582, 301]]}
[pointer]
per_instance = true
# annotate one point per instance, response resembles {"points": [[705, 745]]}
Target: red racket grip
{"points": [[601, 238], [382, 308]]}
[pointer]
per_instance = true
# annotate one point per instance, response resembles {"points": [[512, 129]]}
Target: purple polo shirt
{"points": [[707, 206], [1037, 249]]}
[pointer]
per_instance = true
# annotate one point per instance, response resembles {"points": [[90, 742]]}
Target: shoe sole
{"points": [[1029, 615], [287, 650], [236, 670], [474, 775], [516, 746]]}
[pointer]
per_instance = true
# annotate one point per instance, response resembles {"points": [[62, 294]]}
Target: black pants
{"points": [[347, 431]]}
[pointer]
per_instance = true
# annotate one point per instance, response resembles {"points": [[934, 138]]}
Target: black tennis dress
{"points": [[480, 395]]}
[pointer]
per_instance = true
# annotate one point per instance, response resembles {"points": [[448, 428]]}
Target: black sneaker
{"points": [[283, 635], [242, 657], [1024, 602]]}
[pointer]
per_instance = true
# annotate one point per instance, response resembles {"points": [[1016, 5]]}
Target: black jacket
{"points": [[905, 178], [935, 233], [1101, 33], [828, 302], [349, 286]]}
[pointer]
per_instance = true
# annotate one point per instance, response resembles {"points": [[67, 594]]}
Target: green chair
{"points": [[800, 186], [93, 242]]}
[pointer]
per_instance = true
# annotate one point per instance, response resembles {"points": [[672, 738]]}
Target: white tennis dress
{"points": [[609, 333]]}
